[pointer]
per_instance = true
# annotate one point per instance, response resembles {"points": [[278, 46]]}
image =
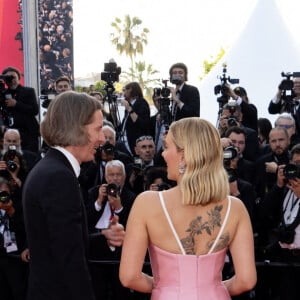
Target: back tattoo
{"points": [[197, 226]]}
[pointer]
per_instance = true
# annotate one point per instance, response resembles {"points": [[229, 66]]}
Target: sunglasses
{"points": [[143, 138], [286, 126]]}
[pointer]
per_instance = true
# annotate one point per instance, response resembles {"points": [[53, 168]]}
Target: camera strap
{"points": [[291, 210]]}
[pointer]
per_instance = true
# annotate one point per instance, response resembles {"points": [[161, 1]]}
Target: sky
{"points": [[188, 31]]}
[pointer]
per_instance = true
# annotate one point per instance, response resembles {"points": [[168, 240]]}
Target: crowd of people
{"points": [[55, 41], [170, 189]]}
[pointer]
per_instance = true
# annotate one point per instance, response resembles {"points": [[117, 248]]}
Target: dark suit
{"points": [[136, 129], [190, 96], [106, 277], [24, 116], [56, 227]]}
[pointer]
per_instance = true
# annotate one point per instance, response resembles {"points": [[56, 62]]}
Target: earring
{"points": [[181, 168]]}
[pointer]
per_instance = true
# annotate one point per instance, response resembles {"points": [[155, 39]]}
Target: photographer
{"points": [[21, 107], [144, 159], [231, 115], [248, 110], [136, 119], [93, 173], [266, 166], [239, 187], [280, 223], [186, 98], [104, 201], [13, 272], [236, 137], [287, 98]]}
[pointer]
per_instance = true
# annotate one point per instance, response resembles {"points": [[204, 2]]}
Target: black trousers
{"points": [[13, 278]]}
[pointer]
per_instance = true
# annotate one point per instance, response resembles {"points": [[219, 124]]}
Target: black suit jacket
{"points": [[56, 227], [190, 96], [24, 116], [95, 250], [141, 127]]}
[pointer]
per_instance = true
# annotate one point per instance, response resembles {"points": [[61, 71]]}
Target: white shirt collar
{"points": [[71, 158]]}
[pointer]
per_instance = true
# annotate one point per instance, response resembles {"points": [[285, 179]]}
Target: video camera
{"points": [[111, 72], [163, 102], [286, 86], [222, 88], [229, 153]]}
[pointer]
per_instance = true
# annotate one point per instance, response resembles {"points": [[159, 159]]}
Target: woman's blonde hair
{"points": [[66, 118], [205, 179]]}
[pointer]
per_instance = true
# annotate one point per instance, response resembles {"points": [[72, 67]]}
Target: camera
{"points": [[111, 72], [4, 197], [9, 157], [46, 97], [113, 190], [138, 164], [108, 148], [284, 233], [291, 171], [163, 102], [287, 94], [222, 88], [229, 153], [163, 186], [232, 119]]}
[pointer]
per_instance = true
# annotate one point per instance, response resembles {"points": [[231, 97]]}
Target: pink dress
{"points": [[188, 277]]}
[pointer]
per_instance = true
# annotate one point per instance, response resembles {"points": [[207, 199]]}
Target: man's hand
{"points": [[10, 102], [101, 194], [271, 167], [115, 233], [25, 256], [115, 202]]}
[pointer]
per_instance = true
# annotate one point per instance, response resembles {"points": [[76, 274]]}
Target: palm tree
{"points": [[144, 75], [129, 37]]}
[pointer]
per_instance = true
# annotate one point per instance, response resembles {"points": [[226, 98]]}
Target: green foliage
{"points": [[130, 38], [209, 64]]}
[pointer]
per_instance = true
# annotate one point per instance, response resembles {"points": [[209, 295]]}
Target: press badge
{"points": [[10, 241]]}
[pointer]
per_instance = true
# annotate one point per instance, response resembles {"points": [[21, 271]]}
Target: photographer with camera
{"points": [[13, 272], [12, 137], [231, 115], [144, 159], [93, 173], [248, 110], [106, 200], [280, 224], [240, 171], [185, 97], [266, 166], [136, 119], [21, 108], [287, 97]]}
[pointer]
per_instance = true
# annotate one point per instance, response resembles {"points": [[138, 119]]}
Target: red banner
{"points": [[11, 43]]}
